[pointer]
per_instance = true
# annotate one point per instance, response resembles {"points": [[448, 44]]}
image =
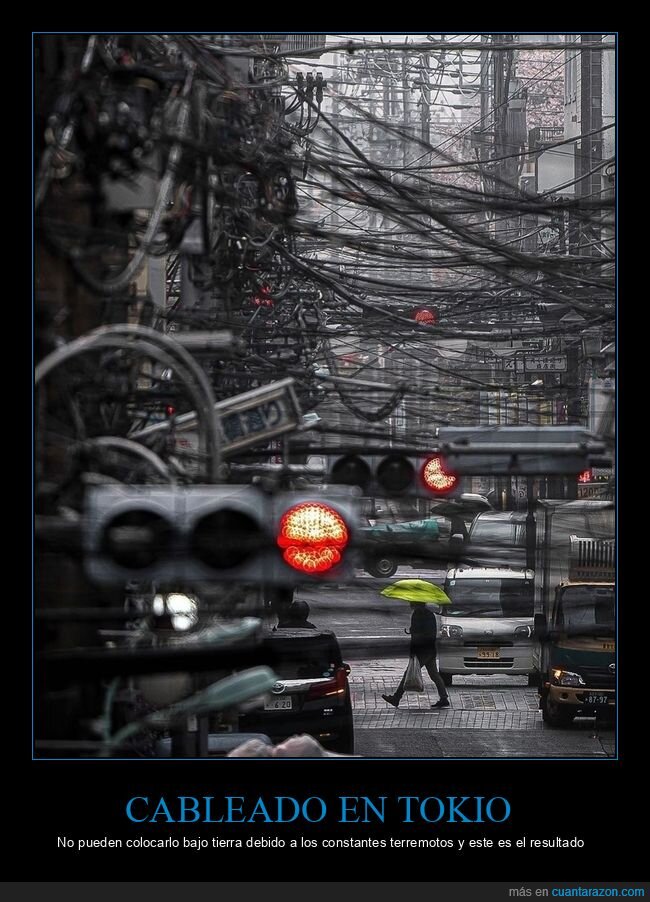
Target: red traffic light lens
{"points": [[312, 536], [437, 477], [428, 317]]}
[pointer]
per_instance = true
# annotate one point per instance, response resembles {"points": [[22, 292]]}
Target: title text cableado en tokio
{"points": [[314, 809]]}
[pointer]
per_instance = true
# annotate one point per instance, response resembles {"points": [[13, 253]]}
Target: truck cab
{"points": [[576, 626]]}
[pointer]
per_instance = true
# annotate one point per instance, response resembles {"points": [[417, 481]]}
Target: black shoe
{"points": [[441, 703], [391, 700]]}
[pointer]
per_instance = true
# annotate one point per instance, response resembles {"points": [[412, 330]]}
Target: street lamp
{"points": [[591, 342]]}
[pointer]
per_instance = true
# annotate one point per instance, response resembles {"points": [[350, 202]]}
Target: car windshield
{"points": [[495, 532], [586, 609], [489, 597], [297, 656]]}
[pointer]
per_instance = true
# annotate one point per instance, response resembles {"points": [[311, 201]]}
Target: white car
{"points": [[488, 627]]}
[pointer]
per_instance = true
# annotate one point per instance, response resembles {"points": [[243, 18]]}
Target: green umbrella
{"points": [[416, 590]]}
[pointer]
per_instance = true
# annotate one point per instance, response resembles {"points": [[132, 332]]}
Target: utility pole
{"points": [[425, 100], [506, 170], [405, 110], [590, 150], [505, 177], [485, 87], [588, 188], [335, 219], [485, 125]]}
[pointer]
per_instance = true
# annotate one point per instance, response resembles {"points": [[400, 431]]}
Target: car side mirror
{"points": [[346, 668], [541, 627]]}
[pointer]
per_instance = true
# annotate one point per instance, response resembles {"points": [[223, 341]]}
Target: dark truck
{"points": [[575, 619], [387, 544]]}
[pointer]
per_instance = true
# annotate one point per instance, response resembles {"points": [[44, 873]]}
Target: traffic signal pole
{"points": [[505, 169], [531, 539]]}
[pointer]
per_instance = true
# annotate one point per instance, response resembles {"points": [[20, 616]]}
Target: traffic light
{"points": [[427, 316], [201, 533], [395, 474], [438, 476], [312, 534], [423, 314]]}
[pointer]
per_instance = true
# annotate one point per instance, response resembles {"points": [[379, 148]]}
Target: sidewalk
{"points": [[477, 702]]}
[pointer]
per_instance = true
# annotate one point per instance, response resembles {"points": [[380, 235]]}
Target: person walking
{"points": [[423, 646]]}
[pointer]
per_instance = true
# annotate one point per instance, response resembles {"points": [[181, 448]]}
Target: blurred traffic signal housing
{"points": [[195, 533]]}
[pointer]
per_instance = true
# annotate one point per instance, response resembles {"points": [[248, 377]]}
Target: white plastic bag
{"points": [[413, 679]]}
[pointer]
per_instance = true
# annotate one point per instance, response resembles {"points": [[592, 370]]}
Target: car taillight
{"points": [[336, 686]]}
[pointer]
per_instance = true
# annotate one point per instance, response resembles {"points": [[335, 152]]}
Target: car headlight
{"points": [[183, 609], [524, 632], [451, 631], [567, 678]]}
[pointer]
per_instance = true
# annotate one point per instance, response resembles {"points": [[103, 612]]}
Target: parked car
{"points": [[386, 545], [312, 693], [390, 539], [488, 627]]}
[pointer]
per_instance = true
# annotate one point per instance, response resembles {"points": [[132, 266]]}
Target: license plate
{"points": [[593, 699], [489, 653], [279, 704]]}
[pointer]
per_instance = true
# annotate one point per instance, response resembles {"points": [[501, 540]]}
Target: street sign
{"points": [[535, 363], [548, 234], [258, 415], [599, 490], [248, 419], [545, 363]]}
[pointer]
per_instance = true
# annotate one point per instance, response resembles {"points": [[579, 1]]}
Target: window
{"points": [[489, 598], [571, 71], [493, 532], [295, 657], [586, 608]]}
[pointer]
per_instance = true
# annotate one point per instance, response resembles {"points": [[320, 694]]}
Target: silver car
{"points": [[488, 627]]}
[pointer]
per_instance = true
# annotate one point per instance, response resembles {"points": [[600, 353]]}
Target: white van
{"points": [[488, 627]]}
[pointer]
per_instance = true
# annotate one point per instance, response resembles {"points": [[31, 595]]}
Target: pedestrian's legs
{"points": [[396, 697], [399, 692], [432, 669]]}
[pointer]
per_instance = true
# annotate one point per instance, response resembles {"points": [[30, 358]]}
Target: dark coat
{"points": [[424, 630]]}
